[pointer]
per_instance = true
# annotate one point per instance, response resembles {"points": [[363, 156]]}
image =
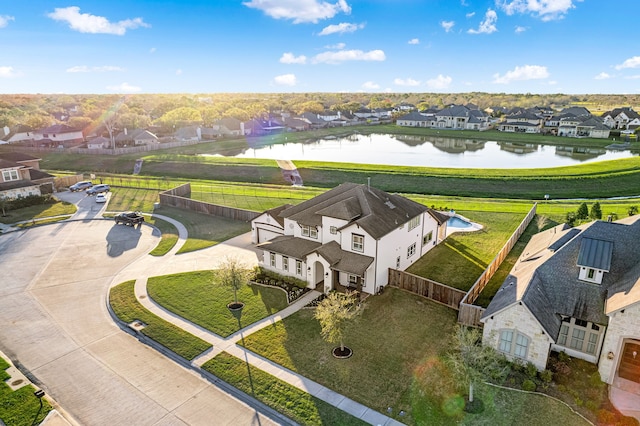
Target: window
{"points": [[591, 344], [285, 263], [427, 238], [309, 231], [272, 259], [298, 267], [577, 339], [522, 345], [357, 242], [353, 281], [411, 250], [333, 230], [591, 273], [581, 323], [8, 175], [505, 341], [398, 262], [414, 222], [562, 337]]}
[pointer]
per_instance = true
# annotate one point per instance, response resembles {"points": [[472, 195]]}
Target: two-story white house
{"points": [[573, 290], [350, 235]]}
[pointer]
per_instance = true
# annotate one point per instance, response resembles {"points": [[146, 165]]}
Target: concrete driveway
{"points": [[54, 321]]}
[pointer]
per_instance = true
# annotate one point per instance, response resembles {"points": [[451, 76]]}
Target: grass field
{"points": [[202, 299], [123, 302], [37, 212], [20, 407]]}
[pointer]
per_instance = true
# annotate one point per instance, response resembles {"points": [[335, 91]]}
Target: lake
{"points": [[427, 151]]}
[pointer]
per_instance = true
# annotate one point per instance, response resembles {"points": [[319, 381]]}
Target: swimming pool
{"points": [[456, 222]]}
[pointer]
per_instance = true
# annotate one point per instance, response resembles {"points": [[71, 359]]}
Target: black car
{"points": [[80, 186], [129, 218]]}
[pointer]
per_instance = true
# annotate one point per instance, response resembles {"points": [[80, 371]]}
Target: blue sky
{"points": [[198, 46]]}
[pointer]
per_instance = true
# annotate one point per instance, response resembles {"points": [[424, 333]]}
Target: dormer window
{"points": [[309, 231], [594, 259]]}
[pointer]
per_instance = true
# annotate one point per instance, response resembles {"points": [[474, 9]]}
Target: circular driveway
{"points": [[54, 322]]}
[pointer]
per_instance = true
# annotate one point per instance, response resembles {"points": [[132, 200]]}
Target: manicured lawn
{"points": [[281, 396], [395, 334], [132, 199], [169, 236], [126, 307], [461, 258], [36, 212], [20, 407], [202, 299]]}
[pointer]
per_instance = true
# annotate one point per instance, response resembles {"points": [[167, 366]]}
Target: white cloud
{"points": [[487, 26], [86, 23], [547, 10], [178, 71], [414, 41], [124, 88], [299, 10], [447, 25], [629, 63], [4, 20], [406, 82], [632, 77], [526, 72], [290, 58], [349, 55], [370, 85], [7, 72], [470, 14], [602, 76], [520, 29], [341, 28], [285, 80], [337, 46], [440, 82], [84, 68]]}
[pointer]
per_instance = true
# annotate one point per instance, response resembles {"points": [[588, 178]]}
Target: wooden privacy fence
{"points": [[433, 290], [66, 181], [469, 314], [178, 197]]}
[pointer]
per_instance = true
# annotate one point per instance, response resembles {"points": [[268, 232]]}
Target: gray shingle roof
{"points": [[290, 246], [546, 281], [380, 212], [340, 260]]}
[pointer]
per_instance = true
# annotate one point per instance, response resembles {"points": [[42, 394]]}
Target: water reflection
{"points": [[410, 150]]}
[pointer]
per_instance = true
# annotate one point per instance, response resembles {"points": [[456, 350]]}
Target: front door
{"points": [[630, 362]]}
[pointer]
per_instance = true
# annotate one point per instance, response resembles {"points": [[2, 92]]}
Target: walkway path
{"points": [[210, 258]]}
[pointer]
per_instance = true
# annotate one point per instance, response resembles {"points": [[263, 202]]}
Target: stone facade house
{"points": [[20, 176], [348, 236], [575, 290]]}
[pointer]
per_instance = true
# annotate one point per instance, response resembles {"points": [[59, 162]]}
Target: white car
{"points": [[101, 198]]}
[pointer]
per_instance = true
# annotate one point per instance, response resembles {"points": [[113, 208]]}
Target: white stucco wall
{"points": [[266, 222], [622, 325], [327, 223], [518, 318]]}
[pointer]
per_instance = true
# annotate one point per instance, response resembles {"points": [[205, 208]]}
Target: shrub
{"points": [[582, 212], [531, 370], [591, 406], [563, 357], [570, 218], [517, 365], [633, 210], [546, 376], [596, 211], [28, 201], [529, 385]]}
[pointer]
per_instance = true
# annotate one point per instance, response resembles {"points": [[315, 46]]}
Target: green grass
{"points": [[277, 394], [134, 199], [168, 239], [463, 256], [204, 230], [37, 212], [202, 299], [396, 333], [126, 307], [20, 407]]}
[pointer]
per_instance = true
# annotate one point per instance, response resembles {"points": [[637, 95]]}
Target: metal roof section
{"points": [[595, 254]]}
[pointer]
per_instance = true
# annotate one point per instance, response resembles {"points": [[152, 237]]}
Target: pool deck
{"points": [[471, 228]]}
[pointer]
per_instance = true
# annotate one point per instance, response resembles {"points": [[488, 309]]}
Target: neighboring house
{"points": [[621, 118], [230, 126], [17, 134], [457, 117], [136, 137], [314, 121], [583, 127], [348, 236], [573, 290], [187, 133], [414, 119], [20, 176], [99, 143], [521, 122], [59, 135], [296, 124]]}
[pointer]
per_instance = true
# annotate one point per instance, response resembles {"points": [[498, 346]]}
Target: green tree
{"points": [[582, 212], [596, 211], [633, 210], [334, 313], [471, 362], [183, 116], [234, 274], [570, 218]]}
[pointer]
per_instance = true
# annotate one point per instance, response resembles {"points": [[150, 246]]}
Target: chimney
{"points": [[125, 131]]}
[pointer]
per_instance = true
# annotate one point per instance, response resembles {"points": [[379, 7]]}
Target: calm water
{"points": [[429, 151]]}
